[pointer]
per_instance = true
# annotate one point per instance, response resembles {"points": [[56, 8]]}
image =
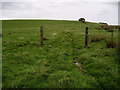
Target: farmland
{"points": [[63, 61]]}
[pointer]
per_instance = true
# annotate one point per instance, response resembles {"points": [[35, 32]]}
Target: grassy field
{"points": [[62, 62]]}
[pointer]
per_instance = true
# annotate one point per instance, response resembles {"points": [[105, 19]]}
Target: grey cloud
{"points": [[62, 9], [15, 5]]}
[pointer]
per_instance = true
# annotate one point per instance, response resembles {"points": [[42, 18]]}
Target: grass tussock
{"points": [[97, 38]]}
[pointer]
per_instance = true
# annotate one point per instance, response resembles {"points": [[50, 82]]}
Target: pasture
{"points": [[63, 61]]}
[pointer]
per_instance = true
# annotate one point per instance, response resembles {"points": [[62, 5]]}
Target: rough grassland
{"points": [[26, 64]]}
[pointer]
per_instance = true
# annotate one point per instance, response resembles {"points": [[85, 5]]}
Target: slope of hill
{"points": [[62, 62]]}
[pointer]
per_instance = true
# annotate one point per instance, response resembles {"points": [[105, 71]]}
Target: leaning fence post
{"points": [[41, 35], [86, 37]]}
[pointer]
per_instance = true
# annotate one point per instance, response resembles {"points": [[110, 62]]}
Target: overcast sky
{"points": [[91, 10]]}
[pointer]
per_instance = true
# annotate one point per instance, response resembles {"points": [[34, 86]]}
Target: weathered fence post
{"points": [[86, 37], [41, 35]]}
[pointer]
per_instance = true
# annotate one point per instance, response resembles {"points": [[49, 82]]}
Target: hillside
{"points": [[63, 61]]}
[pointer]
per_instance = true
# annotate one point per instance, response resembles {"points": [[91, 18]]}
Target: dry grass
{"points": [[54, 34], [97, 38]]}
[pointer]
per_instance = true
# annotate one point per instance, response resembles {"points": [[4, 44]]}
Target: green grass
{"points": [[26, 64]]}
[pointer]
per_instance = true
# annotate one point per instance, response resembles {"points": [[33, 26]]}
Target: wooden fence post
{"points": [[41, 36], [86, 37]]}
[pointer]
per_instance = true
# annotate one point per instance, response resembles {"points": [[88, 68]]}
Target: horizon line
{"points": [[51, 19]]}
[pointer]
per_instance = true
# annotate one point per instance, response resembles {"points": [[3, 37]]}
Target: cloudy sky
{"points": [[91, 10]]}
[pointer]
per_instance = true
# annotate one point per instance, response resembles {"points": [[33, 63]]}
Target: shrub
{"points": [[97, 38], [111, 44]]}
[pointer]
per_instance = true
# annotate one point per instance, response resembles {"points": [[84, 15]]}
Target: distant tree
{"points": [[82, 20]]}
